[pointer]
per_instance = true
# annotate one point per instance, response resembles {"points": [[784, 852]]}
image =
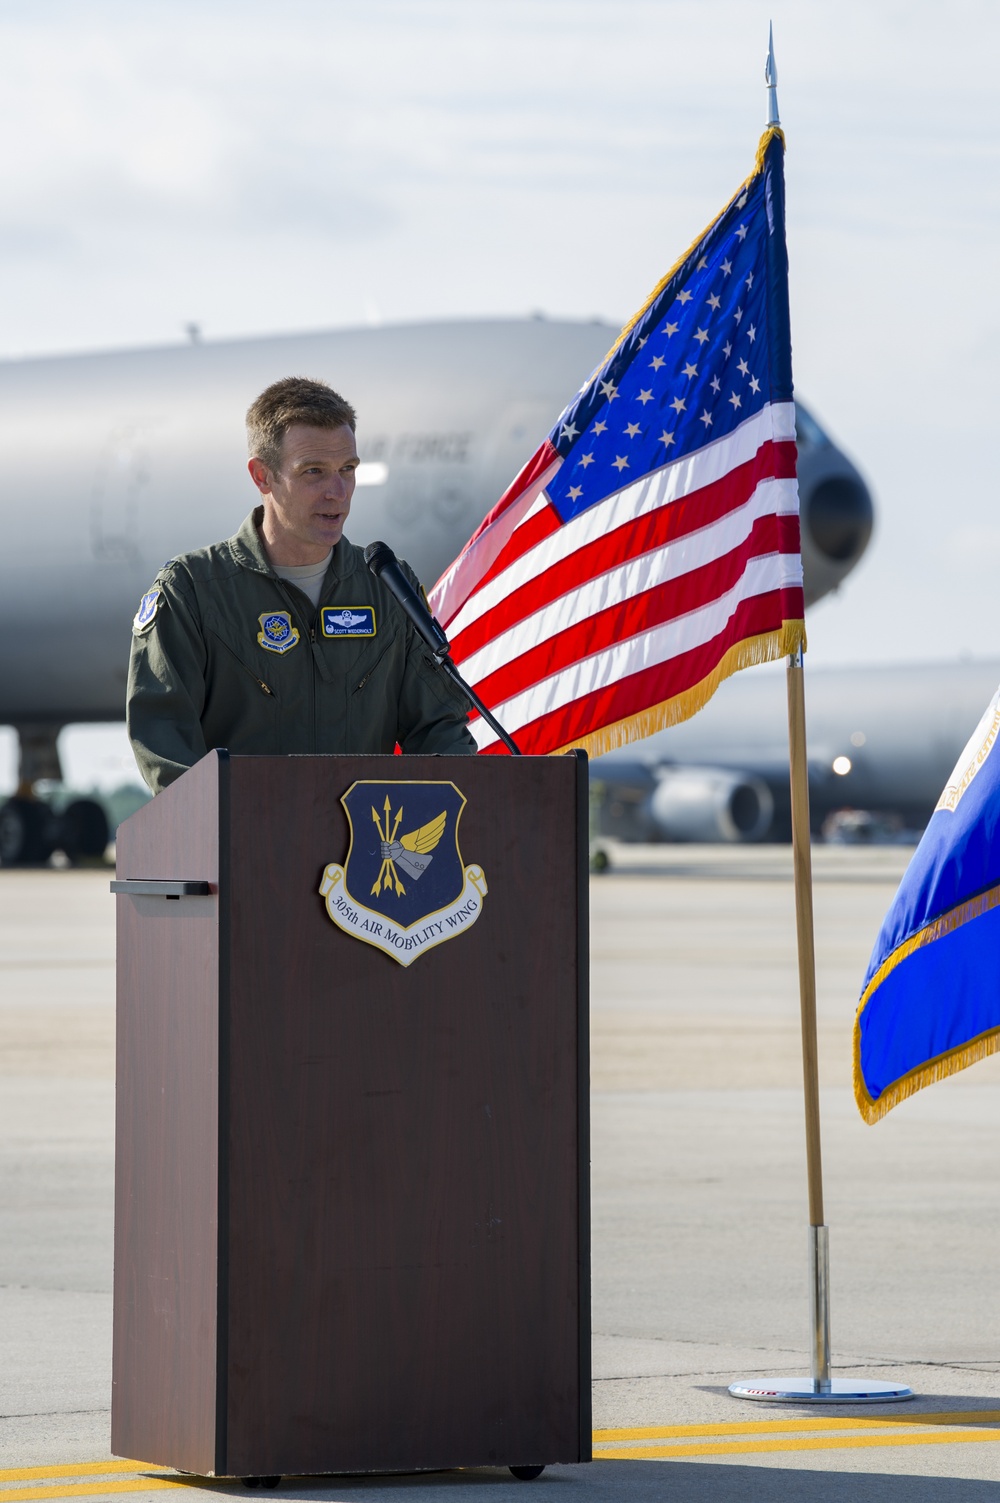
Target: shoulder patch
{"points": [[148, 606]]}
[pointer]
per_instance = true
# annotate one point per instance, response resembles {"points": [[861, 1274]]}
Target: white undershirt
{"points": [[306, 577]]}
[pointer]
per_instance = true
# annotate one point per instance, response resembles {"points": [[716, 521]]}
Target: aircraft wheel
{"points": [[83, 829], [25, 832], [526, 1473]]}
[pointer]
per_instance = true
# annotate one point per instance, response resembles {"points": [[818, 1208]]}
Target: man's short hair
{"points": [[296, 399]]}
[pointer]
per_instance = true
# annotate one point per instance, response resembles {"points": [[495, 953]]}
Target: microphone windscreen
{"points": [[377, 555]]}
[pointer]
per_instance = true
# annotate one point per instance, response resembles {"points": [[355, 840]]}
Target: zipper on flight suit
{"points": [[361, 682], [289, 591], [312, 680], [264, 688]]}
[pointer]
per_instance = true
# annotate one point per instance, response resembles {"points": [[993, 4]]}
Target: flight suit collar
{"points": [[247, 549]]}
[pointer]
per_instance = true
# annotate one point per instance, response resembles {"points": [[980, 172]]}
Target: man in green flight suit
{"points": [[280, 639]]}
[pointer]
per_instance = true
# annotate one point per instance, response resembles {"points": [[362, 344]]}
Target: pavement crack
{"points": [[51, 1413]]}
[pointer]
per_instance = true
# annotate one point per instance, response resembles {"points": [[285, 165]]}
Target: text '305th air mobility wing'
{"points": [[403, 886]]}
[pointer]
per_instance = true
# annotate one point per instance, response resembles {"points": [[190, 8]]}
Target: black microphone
{"points": [[385, 566]]}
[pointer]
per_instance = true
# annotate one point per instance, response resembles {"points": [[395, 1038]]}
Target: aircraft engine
{"points": [[836, 509], [710, 804]]}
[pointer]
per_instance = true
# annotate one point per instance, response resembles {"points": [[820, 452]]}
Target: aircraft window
{"points": [[807, 430], [376, 472]]}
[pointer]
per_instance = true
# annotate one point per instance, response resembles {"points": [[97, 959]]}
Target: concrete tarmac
{"points": [[699, 1224]]}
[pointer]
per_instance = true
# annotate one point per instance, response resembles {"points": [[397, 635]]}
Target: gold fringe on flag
{"points": [[942, 1065], [758, 168], [766, 648]]}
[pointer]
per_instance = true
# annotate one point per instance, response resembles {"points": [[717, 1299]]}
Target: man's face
{"points": [[307, 501]]}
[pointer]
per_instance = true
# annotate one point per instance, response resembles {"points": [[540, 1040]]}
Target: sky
{"points": [[260, 169]]}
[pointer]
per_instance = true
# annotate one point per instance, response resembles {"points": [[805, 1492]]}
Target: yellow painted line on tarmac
{"points": [[789, 1426], [72, 1469], [95, 1489], [728, 1438], [804, 1443], [155, 1480]]}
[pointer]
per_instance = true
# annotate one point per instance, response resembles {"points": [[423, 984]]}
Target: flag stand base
{"points": [[803, 1391], [820, 1388]]}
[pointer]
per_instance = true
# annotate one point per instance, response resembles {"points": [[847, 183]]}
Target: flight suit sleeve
{"points": [[166, 685], [433, 712]]}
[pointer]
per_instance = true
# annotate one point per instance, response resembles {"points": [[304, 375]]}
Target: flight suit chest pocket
{"points": [[357, 663], [233, 665]]}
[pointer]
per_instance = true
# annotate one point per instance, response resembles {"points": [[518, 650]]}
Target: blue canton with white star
{"points": [[693, 368]]}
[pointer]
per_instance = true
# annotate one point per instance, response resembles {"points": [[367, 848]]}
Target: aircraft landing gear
{"points": [[30, 830], [25, 832], [83, 829]]}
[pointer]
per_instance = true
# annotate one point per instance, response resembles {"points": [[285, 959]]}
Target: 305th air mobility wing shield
{"points": [[403, 886]]}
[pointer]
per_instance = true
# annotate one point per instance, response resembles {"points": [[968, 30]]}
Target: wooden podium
{"points": [[352, 1195]]}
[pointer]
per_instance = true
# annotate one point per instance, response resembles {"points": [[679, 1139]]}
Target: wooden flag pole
{"points": [[819, 1387], [819, 1282]]}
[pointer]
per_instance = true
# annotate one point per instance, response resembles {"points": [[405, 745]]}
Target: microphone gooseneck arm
{"points": [[384, 564], [491, 720]]}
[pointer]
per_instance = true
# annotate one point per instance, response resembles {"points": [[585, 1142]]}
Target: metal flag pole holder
{"points": [[820, 1387]]}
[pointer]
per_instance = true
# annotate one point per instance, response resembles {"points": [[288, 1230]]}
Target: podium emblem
{"points": [[403, 886]]}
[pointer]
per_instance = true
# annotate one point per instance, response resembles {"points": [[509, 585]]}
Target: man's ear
{"points": [[261, 476]]}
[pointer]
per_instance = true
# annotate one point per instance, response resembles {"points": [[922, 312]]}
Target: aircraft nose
{"points": [[839, 515]]}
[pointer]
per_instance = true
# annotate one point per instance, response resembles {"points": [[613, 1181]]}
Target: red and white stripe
{"points": [[568, 628]]}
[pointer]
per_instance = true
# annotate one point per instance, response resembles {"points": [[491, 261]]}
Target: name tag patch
{"points": [[143, 618], [349, 621], [277, 633]]}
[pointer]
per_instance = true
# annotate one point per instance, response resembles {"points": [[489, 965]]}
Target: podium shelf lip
{"points": [[152, 888]]}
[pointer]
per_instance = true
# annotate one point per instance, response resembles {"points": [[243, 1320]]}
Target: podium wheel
{"points": [[260, 1481], [526, 1473]]}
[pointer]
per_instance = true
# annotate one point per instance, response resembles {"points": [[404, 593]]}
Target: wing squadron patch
{"points": [[403, 886], [145, 615], [277, 633]]}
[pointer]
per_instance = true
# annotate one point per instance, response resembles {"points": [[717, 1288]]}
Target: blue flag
{"points": [[930, 1005]]}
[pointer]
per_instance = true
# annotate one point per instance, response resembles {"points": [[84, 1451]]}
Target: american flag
{"points": [[650, 547]]}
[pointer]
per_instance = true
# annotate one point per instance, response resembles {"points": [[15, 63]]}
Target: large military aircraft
{"points": [[882, 742], [114, 462]]}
